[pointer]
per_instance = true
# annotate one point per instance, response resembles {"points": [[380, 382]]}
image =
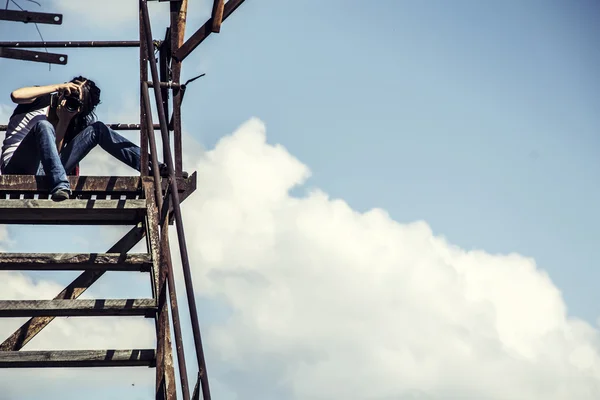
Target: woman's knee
{"points": [[44, 127]]}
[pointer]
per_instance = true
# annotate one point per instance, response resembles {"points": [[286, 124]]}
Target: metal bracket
{"points": [[36, 56], [28, 16]]}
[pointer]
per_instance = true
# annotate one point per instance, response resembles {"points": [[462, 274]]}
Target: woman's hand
{"points": [[64, 115], [68, 88]]}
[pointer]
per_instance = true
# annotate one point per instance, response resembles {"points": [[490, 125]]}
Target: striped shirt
{"points": [[21, 122]]}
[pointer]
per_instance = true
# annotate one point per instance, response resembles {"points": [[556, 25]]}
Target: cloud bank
{"points": [[324, 302]]}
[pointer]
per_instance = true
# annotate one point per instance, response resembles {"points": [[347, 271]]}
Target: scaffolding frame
{"points": [[162, 200]]}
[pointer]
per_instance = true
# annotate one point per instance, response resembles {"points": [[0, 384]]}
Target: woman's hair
{"points": [[86, 116]]}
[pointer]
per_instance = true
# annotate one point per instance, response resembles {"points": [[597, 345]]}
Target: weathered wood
{"points": [[165, 372], [72, 212], [85, 184], [71, 261], [76, 308], [217, 15], [77, 358], [33, 326]]}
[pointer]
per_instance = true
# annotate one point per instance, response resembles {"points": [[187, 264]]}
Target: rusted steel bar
{"points": [[217, 15], [178, 21], [116, 127], [28, 16], [166, 261], [164, 55], [177, 211], [35, 56], [144, 126], [168, 85], [194, 41], [79, 44]]}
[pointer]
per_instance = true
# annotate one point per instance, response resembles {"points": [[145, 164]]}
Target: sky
{"points": [[396, 199]]}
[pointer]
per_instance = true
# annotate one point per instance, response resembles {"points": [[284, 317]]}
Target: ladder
{"points": [[96, 201]]}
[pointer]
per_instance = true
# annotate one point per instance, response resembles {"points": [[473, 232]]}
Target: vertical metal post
{"points": [[177, 211], [178, 20], [144, 170], [164, 56]]}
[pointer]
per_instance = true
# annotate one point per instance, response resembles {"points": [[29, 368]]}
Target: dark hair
{"points": [[90, 99]]}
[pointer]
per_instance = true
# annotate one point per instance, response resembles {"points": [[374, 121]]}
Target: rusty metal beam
{"points": [[28, 16], [217, 15], [76, 44], [174, 194], [198, 37], [144, 125], [35, 56]]}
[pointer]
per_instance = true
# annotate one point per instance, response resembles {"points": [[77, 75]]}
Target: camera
{"points": [[72, 103]]}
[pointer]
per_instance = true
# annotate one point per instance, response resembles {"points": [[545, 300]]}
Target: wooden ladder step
{"points": [[77, 308], [75, 262], [77, 358], [72, 212]]}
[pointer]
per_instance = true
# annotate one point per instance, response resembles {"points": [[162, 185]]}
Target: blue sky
{"points": [[479, 118]]}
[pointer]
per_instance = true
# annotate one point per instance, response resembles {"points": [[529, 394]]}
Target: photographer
{"points": [[56, 126]]}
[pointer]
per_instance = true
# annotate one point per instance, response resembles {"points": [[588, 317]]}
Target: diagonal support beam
{"points": [[205, 30]]}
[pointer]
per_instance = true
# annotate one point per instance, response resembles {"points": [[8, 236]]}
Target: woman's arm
{"points": [[27, 95]]}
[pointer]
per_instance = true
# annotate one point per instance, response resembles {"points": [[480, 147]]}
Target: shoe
{"points": [[60, 195]]}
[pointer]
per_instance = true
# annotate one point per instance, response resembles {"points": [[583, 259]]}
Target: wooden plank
{"points": [[77, 358], [33, 326], [72, 212], [73, 261], [79, 184], [217, 15], [165, 372], [205, 30], [76, 308]]}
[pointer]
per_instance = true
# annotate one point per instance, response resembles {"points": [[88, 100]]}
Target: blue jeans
{"points": [[40, 146]]}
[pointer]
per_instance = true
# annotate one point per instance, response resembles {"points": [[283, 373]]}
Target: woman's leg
{"points": [[39, 146], [100, 134]]}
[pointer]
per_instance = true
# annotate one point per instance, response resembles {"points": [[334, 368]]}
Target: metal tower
{"points": [[149, 204]]}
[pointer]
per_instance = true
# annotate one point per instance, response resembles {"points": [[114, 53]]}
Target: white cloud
{"points": [[326, 302], [353, 305]]}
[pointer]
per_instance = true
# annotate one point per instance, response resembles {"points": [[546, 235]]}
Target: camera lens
{"points": [[72, 103]]}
